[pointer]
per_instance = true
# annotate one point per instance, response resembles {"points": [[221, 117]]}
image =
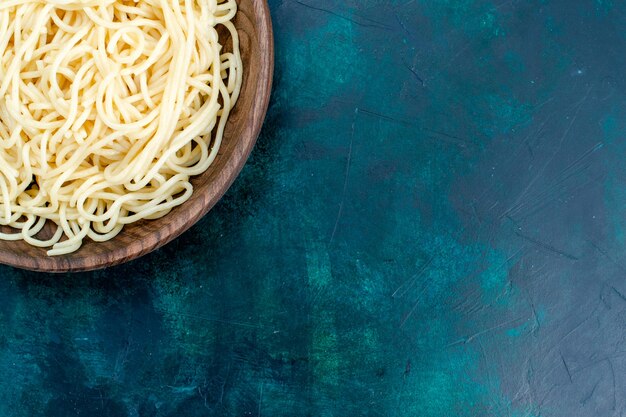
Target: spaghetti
{"points": [[107, 109]]}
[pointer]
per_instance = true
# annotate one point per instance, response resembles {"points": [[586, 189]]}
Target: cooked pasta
{"points": [[107, 109]]}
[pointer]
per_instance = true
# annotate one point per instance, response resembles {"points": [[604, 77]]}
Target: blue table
{"points": [[433, 224]]}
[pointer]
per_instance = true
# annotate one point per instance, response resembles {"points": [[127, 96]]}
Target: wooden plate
{"points": [[254, 25]]}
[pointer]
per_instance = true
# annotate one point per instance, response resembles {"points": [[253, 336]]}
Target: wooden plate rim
{"points": [[197, 208]]}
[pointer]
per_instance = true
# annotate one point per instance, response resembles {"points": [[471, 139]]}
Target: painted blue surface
{"points": [[432, 224]]}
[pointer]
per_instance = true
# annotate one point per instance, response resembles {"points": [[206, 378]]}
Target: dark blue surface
{"points": [[432, 224]]}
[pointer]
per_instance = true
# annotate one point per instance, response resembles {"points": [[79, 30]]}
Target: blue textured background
{"points": [[432, 224]]}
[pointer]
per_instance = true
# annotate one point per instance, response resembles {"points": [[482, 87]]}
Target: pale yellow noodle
{"points": [[107, 108]]}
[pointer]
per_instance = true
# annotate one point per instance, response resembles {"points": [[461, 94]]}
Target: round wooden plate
{"points": [[254, 25]]}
